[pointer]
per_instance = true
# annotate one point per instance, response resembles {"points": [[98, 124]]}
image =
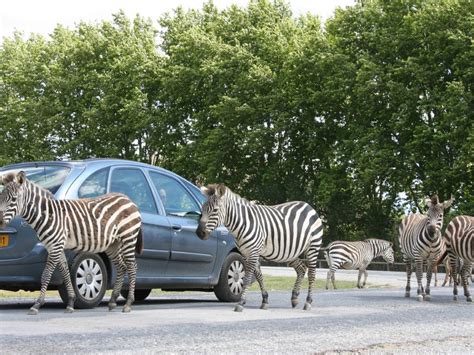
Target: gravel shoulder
{"points": [[373, 320]]}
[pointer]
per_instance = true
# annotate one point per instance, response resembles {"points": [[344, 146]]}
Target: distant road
{"points": [[374, 278]]}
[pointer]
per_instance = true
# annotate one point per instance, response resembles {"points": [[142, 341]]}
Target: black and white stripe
{"points": [[420, 241], [459, 237], [356, 256], [109, 223], [290, 232]]}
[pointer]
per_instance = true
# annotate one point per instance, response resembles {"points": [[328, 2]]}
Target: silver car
{"points": [[174, 258]]}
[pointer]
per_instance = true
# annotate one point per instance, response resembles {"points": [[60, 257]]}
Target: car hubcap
{"points": [[235, 277], [89, 279]]}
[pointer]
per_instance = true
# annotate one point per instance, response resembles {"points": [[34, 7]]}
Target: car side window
{"points": [[132, 182], [176, 200], [95, 185]]}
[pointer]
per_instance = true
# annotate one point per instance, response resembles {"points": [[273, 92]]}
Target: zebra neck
{"points": [[36, 207], [235, 219]]}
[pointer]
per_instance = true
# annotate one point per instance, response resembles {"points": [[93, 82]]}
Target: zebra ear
{"points": [[448, 203], [7, 178], [220, 191], [20, 177]]}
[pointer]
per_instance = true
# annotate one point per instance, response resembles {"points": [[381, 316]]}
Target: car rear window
{"points": [[48, 177]]}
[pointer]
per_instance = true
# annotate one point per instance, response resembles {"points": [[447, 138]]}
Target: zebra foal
{"points": [[355, 255], [459, 238], [420, 241], [283, 233], [109, 223]]}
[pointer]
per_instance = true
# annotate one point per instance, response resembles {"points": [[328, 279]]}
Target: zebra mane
{"points": [[42, 191], [237, 198], [379, 242], [214, 188]]}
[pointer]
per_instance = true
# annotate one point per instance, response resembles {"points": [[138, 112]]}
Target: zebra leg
{"points": [[409, 272], [454, 268], [300, 269], [465, 275], [359, 276], [53, 258], [419, 278], [259, 277], [331, 278], [365, 277], [429, 271], [67, 281], [312, 256], [250, 265], [131, 265], [117, 260]]}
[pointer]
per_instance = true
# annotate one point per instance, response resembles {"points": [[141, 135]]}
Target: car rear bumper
{"points": [[25, 273]]}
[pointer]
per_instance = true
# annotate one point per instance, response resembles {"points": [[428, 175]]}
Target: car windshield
{"points": [[48, 177]]}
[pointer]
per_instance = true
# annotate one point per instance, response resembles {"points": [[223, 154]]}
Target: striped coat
{"points": [[290, 232], [109, 223], [356, 256], [459, 237], [420, 242]]}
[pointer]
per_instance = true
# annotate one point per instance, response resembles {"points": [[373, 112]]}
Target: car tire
{"points": [[89, 279], [231, 279], [140, 294]]}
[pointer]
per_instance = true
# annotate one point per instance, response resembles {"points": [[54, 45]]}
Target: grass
{"points": [[272, 283]]}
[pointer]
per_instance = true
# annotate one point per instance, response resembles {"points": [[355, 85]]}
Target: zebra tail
{"points": [[327, 257], [139, 243], [442, 258]]}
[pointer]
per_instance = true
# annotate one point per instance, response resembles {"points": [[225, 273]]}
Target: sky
{"points": [[42, 16]]}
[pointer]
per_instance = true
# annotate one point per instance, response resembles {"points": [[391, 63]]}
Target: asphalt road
{"points": [[373, 320]]}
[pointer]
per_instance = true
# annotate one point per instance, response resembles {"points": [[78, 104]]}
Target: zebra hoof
{"points": [[112, 306], [307, 306], [294, 302], [419, 298], [407, 294], [126, 309], [427, 298], [69, 310], [33, 311], [264, 306], [468, 299], [455, 298], [238, 308]]}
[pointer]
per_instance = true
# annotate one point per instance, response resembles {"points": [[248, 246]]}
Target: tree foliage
{"points": [[362, 116]]}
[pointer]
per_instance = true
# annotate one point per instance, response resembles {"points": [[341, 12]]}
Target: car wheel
{"points": [[89, 280], [140, 294], [231, 279]]}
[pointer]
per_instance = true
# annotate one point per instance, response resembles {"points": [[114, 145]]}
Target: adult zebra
{"points": [[356, 255], [459, 237], [290, 232], [109, 223], [420, 240]]}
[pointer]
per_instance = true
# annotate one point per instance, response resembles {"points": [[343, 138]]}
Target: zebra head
{"points": [[11, 201], [212, 213], [435, 214], [388, 254]]}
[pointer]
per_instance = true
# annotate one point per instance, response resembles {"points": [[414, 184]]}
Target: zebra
{"points": [[290, 232], [459, 238], [110, 223], [420, 241], [355, 255]]}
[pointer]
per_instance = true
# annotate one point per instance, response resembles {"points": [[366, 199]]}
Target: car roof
{"points": [[97, 162]]}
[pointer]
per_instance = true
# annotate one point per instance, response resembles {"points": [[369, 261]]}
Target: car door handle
{"points": [[176, 227]]}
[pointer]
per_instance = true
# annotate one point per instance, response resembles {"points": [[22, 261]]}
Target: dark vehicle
{"points": [[174, 258]]}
